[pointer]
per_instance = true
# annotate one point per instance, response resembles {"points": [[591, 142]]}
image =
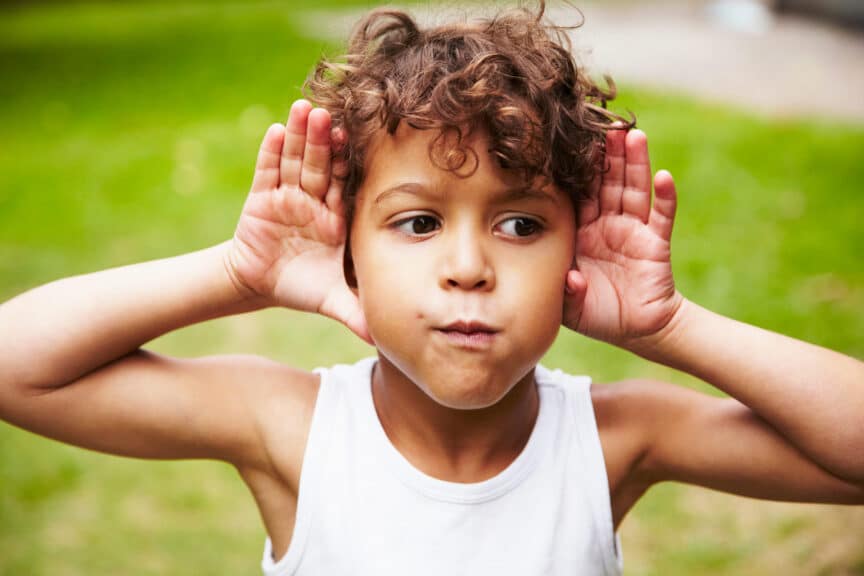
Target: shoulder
{"points": [[640, 405], [274, 400], [620, 424], [281, 400], [284, 403], [636, 417], [635, 420], [653, 432]]}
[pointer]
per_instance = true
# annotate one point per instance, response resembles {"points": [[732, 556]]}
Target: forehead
{"points": [[412, 156]]}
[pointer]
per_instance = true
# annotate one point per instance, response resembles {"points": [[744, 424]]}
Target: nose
{"points": [[466, 263]]}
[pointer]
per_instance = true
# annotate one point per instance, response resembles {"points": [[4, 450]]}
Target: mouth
{"points": [[469, 334]]}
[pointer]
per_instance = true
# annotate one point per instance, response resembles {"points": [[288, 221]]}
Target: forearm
{"points": [[813, 396], [60, 331]]}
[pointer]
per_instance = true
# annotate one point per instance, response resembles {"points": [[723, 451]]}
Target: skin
{"points": [[461, 246], [74, 369]]}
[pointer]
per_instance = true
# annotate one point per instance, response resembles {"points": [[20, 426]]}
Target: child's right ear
{"points": [[348, 267]]}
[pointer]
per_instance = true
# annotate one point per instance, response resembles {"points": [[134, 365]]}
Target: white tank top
{"points": [[364, 509]]}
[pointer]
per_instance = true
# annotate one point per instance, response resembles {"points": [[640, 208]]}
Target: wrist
{"points": [[663, 345], [241, 295]]}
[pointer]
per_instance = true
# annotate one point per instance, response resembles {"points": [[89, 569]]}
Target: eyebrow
{"points": [[510, 195], [409, 188], [527, 192]]}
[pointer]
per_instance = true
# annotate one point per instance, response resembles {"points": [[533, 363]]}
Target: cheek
{"points": [[543, 308], [536, 289], [383, 288], [543, 271]]}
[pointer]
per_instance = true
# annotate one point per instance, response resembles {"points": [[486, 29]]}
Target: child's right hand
{"points": [[289, 243]]}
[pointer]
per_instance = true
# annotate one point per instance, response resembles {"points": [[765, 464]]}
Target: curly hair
{"points": [[512, 77]]}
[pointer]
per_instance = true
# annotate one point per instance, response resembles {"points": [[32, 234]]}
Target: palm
{"points": [[290, 239], [623, 250], [619, 258]]}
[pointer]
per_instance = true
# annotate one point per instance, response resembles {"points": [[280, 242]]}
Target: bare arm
{"points": [[56, 333], [662, 432], [797, 407], [812, 396], [73, 370], [72, 367]]}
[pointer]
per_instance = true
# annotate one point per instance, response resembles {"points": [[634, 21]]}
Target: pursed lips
{"points": [[469, 333]]}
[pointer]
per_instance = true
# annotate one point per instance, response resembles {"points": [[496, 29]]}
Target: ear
{"points": [[575, 285], [575, 289], [348, 266]]}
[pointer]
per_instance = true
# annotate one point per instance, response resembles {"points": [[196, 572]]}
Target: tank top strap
{"points": [[332, 389], [579, 413]]}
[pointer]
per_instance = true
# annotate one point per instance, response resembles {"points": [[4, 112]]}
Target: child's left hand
{"points": [[622, 290]]}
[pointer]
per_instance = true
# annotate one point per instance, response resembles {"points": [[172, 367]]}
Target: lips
{"points": [[468, 327], [469, 334]]}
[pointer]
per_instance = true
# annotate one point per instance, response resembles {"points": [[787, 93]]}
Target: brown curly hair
{"points": [[512, 76]]}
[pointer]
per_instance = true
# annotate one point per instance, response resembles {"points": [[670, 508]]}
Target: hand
{"points": [[290, 240], [622, 289]]}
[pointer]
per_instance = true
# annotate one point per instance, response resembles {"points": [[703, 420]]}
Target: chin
{"points": [[466, 391]]}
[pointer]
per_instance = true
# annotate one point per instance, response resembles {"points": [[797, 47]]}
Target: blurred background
{"points": [[128, 131]]}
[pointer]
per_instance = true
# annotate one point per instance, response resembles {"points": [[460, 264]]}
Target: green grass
{"points": [[129, 132]]}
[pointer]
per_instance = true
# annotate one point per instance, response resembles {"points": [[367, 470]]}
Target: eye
{"points": [[418, 225], [520, 227]]}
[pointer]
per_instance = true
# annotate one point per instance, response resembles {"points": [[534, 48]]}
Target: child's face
{"points": [[461, 279]]}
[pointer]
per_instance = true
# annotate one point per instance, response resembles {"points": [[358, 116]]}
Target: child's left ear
{"points": [[575, 286], [575, 289]]}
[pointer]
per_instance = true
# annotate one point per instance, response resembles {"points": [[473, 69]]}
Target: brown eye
{"points": [[418, 225], [519, 227]]}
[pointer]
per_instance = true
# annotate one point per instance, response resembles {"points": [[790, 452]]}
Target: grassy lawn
{"points": [[129, 132]]}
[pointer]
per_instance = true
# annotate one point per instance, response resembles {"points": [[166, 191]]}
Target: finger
{"points": [[295, 142], [612, 185], [315, 171], [357, 325], [345, 308], [636, 199], [267, 166], [338, 171], [665, 203]]}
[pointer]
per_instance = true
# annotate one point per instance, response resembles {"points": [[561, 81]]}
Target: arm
{"points": [[72, 367], [814, 397], [57, 333], [796, 405], [662, 432]]}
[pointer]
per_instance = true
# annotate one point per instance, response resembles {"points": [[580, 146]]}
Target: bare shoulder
{"points": [[278, 401], [655, 431], [634, 415], [266, 408], [621, 415], [283, 401], [249, 411], [637, 409], [641, 422]]}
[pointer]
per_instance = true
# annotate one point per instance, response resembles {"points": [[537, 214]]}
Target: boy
{"points": [[464, 158]]}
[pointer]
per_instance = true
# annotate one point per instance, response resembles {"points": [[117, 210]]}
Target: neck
{"points": [[450, 444]]}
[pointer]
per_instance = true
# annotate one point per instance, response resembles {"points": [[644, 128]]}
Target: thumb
{"points": [[344, 307]]}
